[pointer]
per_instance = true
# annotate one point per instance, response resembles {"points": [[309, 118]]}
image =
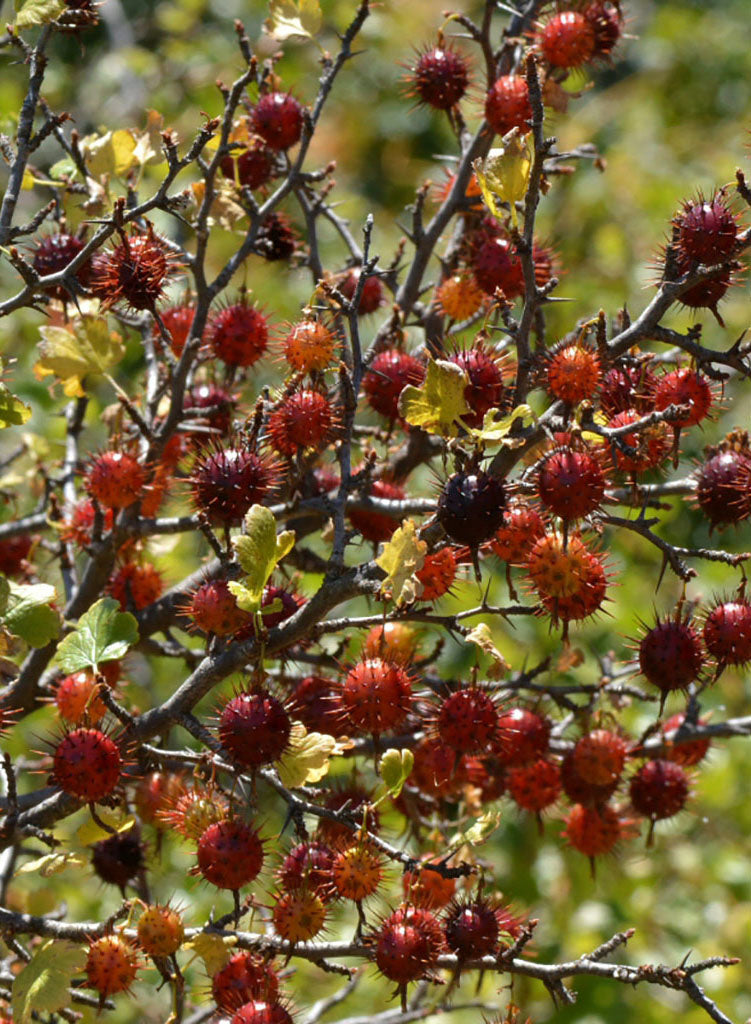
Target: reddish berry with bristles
{"points": [[522, 526], [213, 398], [582, 790], [300, 915], [255, 728], [727, 632], [119, 859], [707, 230], [567, 40], [426, 888], [375, 697], [357, 872], [136, 586], [213, 609], [227, 481], [535, 785], [594, 831], [372, 296], [87, 764], [606, 20], [496, 265], [627, 387], [485, 774], [556, 569], [238, 334], [521, 736], [467, 720], [15, 550], [314, 703], [651, 446], [115, 479], [251, 166], [160, 930], [230, 854], [290, 603], [600, 756], [459, 297], [177, 321], [471, 928], [356, 802], [471, 507], [588, 597], [374, 525], [135, 272], [408, 944], [191, 813], [393, 641], [156, 792], [684, 387], [386, 377], [659, 789], [671, 655], [573, 373], [688, 752], [439, 77], [112, 964], [485, 388], [571, 484], [437, 574], [261, 1012], [706, 294], [277, 239], [309, 346], [304, 420], [246, 976], [507, 105], [53, 254], [278, 119], [308, 866], [722, 487], [76, 696], [435, 771]]}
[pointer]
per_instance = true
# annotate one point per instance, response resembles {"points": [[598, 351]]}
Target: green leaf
{"points": [[65, 167], [258, 551], [4, 594], [83, 348], [28, 613], [402, 556], [51, 864], [394, 768], [293, 18], [43, 984], [13, 412], [38, 12], [438, 404], [103, 633], [480, 832]]}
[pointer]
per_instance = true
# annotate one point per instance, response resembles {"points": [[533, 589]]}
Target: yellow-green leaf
{"points": [[306, 759], [496, 427], [394, 768], [111, 153], [480, 832], [293, 18], [13, 412], [51, 864], [402, 556], [505, 173], [38, 12], [258, 551], [28, 613], [483, 638], [83, 348], [90, 833], [438, 404], [214, 950], [43, 984]]}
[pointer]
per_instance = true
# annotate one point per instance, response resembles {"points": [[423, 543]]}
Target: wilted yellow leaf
{"points": [[293, 18], [306, 759], [438, 404], [84, 347], [38, 12], [505, 173], [111, 153], [482, 636], [402, 556], [50, 864], [214, 950]]}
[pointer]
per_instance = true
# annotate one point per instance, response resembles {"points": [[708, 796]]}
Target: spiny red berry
{"points": [[277, 239], [227, 481], [721, 487], [15, 550], [230, 854], [689, 752], [372, 296], [606, 20], [290, 603], [427, 889], [567, 40], [356, 802], [487, 775], [160, 930], [218, 405], [214, 610], [76, 696], [471, 507], [393, 641], [467, 720], [255, 728], [154, 793], [436, 770], [260, 1012], [507, 105], [87, 764], [115, 479], [408, 944], [314, 703], [627, 387], [651, 445], [496, 265], [707, 230], [471, 928], [521, 736], [588, 597], [706, 294], [671, 655], [376, 696], [485, 388], [238, 334], [727, 632], [535, 785], [278, 119], [304, 420], [437, 574], [309, 346], [571, 484], [111, 965], [357, 872], [582, 790], [191, 813], [308, 866], [659, 789], [389, 373], [53, 254], [522, 526], [135, 272], [459, 297], [299, 915], [118, 859], [373, 524], [594, 831], [573, 373], [251, 166], [599, 757], [246, 976], [556, 569], [177, 321], [136, 586], [684, 387], [440, 76]]}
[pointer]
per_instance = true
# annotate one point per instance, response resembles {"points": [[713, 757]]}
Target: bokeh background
{"points": [[671, 116]]}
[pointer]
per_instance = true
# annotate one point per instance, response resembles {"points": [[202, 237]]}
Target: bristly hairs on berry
{"points": [[135, 272]]}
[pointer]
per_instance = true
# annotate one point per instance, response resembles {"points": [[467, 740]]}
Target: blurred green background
{"points": [[670, 117]]}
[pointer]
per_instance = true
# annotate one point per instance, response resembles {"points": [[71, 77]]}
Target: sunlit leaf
{"points": [[505, 173], [402, 556], [51, 864], [496, 426], [38, 12], [28, 613], [84, 347], [480, 831], [438, 403], [258, 551], [43, 984], [394, 768], [293, 18], [111, 153], [483, 638], [103, 633], [306, 758], [214, 950]]}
